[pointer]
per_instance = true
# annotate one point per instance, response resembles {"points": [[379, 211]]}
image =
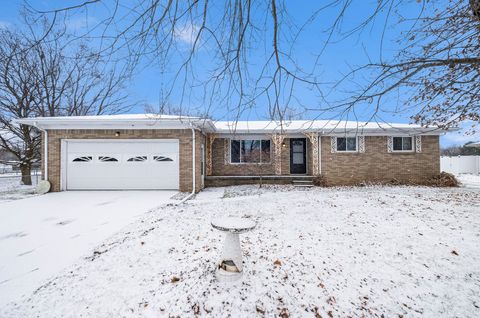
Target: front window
{"points": [[346, 144], [250, 151], [402, 143]]}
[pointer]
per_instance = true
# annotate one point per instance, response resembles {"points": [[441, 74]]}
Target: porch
{"points": [[222, 181]]}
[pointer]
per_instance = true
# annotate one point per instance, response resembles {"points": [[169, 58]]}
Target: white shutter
{"points": [[226, 150], [418, 143], [361, 144], [333, 141], [389, 144]]}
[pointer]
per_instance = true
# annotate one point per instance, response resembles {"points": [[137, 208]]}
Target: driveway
{"points": [[42, 235]]}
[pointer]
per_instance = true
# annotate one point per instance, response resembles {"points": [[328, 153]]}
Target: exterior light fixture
{"points": [[117, 134]]}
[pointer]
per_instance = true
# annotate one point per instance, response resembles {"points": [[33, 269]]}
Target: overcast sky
{"points": [[149, 81]]}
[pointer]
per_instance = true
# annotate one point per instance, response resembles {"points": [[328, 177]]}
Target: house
{"points": [[188, 153], [473, 145]]}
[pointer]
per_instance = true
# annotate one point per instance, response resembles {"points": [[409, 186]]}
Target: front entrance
{"points": [[298, 159]]}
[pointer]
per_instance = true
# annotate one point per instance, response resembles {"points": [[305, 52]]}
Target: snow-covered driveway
{"points": [[40, 236]]}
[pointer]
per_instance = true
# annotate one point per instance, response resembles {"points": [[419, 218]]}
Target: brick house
{"points": [[117, 152]]}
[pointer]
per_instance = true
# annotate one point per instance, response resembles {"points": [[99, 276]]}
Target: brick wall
{"points": [[376, 164], [183, 135]]}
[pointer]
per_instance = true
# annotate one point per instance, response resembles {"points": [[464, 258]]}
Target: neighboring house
{"points": [[5, 168], [473, 145], [7, 161], [156, 151]]}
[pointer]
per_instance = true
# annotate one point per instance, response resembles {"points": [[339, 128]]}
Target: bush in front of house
{"points": [[444, 179], [320, 181]]}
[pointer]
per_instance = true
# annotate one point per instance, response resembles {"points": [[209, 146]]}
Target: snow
{"points": [[469, 180], [233, 224], [367, 251], [254, 126], [40, 236], [12, 189], [113, 117], [314, 125]]}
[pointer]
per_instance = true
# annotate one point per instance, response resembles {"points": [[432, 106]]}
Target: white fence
{"points": [[460, 164]]}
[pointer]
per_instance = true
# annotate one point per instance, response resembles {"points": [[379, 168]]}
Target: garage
{"points": [[133, 164]]}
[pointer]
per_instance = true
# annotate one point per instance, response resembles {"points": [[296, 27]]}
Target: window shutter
{"points": [[333, 141], [389, 144], [226, 150], [361, 144], [418, 143]]}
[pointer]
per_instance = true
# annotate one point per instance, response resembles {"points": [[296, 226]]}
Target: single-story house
{"points": [[117, 152], [473, 145]]}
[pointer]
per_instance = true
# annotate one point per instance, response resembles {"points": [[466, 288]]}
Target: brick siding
{"points": [[378, 165], [374, 165]]}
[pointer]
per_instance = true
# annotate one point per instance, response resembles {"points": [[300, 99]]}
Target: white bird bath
{"points": [[230, 267]]}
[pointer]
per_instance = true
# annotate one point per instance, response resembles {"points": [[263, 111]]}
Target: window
{"points": [[82, 159], [161, 158], [346, 144], [402, 143], [250, 151], [138, 159], [107, 159]]}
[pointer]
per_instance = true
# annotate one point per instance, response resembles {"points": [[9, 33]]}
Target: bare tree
{"points": [[460, 151], [47, 78], [434, 73], [437, 69]]}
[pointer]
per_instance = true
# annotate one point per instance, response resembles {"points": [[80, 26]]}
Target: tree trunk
{"points": [[25, 169]]}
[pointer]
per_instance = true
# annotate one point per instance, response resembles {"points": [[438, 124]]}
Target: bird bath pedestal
{"points": [[230, 267]]}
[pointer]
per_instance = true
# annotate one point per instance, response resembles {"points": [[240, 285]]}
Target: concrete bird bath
{"points": [[230, 267]]}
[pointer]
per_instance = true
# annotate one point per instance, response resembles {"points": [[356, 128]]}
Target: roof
{"points": [[473, 145], [123, 121], [154, 121], [322, 126]]}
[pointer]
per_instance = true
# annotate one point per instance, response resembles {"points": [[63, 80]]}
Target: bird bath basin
{"points": [[230, 267]]}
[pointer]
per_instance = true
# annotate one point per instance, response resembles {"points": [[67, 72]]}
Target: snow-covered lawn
{"points": [[469, 180], [42, 235], [360, 252], [11, 189]]}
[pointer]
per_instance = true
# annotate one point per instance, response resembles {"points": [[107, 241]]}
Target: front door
{"points": [[298, 147]]}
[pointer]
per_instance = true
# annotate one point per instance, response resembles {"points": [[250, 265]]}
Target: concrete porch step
{"points": [[302, 183]]}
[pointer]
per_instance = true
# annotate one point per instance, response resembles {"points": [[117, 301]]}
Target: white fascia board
{"points": [[243, 134], [72, 123], [385, 132]]}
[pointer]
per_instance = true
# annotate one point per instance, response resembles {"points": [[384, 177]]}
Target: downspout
{"points": [[319, 154], [193, 167], [45, 151]]}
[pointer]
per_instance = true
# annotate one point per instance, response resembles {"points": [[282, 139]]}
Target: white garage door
{"points": [[121, 164]]}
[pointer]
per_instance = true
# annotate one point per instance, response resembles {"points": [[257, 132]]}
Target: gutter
{"points": [[193, 167], [45, 151]]}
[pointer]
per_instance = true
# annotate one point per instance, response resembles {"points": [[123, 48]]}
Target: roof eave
{"points": [[71, 123]]}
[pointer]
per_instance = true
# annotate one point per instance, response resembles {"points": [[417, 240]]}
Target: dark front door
{"points": [[298, 147]]}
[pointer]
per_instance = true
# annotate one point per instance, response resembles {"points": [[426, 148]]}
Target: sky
{"points": [[149, 80]]}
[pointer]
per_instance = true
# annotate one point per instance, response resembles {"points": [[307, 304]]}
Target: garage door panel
{"points": [[122, 165]]}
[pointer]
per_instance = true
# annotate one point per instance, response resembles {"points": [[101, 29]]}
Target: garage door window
{"points": [[107, 159], [82, 159], [137, 159], [162, 158]]}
